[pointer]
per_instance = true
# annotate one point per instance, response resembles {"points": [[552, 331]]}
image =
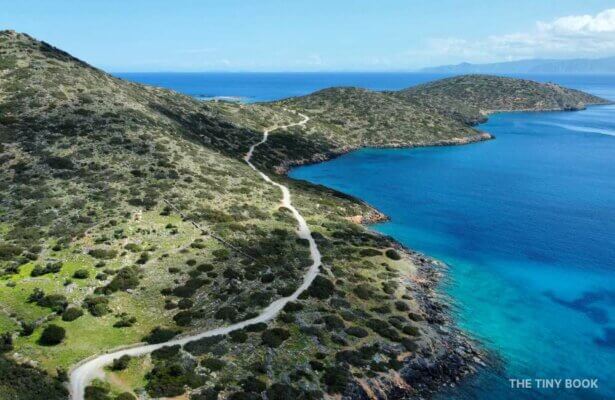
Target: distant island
{"points": [[532, 66], [134, 216]]}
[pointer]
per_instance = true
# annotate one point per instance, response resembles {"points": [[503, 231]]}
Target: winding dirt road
{"points": [[92, 368]]}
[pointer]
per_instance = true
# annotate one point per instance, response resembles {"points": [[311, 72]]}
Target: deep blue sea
{"points": [[525, 222]]}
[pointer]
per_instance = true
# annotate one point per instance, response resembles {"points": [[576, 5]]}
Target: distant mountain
{"points": [[536, 66]]}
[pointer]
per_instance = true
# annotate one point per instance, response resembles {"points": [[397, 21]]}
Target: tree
{"points": [[52, 335]]}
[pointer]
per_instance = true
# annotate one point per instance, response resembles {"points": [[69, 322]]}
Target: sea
{"points": [[525, 224]]}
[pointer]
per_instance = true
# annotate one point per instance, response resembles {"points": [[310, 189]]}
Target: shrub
{"points": [[71, 314], [27, 328], [411, 330], [369, 252], [357, 331], [96, 305], [8, 251], [103, 254], [185, 304], [333, 322], [227, 313], [81, 274], [363, 291], [120, 364], [274, 337], [183, 318], [401, 306], [126, 396], [126, 278], [96, 393], [253, 385], [393, 254], [409, 345], [203, 345], [415, 317], [50, 268], [293, 307], [321, 288], [213, 364], [336, 378], [261, 326], [6, 342], [166, 352], [56, 302], [160, 335], [125, 321], [52, 335], [239, 336]]}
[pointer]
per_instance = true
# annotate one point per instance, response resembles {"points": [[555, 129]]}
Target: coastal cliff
{"points": [[128, 214]]}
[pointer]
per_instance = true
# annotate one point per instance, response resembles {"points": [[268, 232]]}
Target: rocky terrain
{"points": [[127, 214]]}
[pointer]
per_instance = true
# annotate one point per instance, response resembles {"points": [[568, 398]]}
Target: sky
{"points": [[314, 35]]}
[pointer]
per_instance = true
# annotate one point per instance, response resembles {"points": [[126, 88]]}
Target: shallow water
{"points": [[527, 224]]}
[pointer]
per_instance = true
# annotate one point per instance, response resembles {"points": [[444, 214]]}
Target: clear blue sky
{"points": [[315, 35]]}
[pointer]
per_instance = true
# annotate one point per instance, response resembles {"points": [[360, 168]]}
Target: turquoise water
{"points": [[526, 223]]}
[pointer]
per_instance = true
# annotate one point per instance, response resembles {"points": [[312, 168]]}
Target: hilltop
{"points": [[127, 213], [470, 98]]}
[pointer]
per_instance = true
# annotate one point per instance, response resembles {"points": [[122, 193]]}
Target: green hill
{"points": [[470, 98]]}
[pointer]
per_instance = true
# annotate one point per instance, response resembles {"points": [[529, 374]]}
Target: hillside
{"points": [[128, 214], [469, 98]]}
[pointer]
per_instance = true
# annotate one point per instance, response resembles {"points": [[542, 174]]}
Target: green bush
{"points": [[8, 251], [125, 396], [71, 314], [226, 313], [393, 254], [160, 335], [336, 378], [213, 364], [274, 337], [126, 278], [239, 336], [56, 302], [333, 322], [357, 331], [401, 305], [370, 252], [125, 321], [52, 335], [411, 330], [363, 291], [321, 288], [203, 345], [6, 342], [103, 254], [81, 274], [253, 385], [97, 305], [120, 364], [183, 318]]}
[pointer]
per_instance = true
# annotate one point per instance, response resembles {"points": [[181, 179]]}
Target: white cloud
{"points": [[603, 22], [570, 36]]}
